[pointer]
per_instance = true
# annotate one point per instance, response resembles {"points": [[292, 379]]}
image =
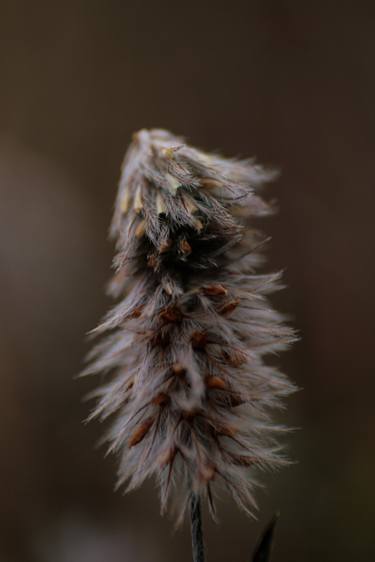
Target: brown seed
{"points": [[189, 415], [165, 246], [214, 290], [228, 307], [161, 399], [226, 430], [140, 432], [235, 357], [209, 183], [171, 314], [167, 456], [198, 340], [244, 461], [235, 400], [130, 384], [207, 472], [215, 383], [136, 312], [185, 247], [178, 369], [152, 261]]}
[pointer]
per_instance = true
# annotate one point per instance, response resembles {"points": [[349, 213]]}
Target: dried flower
{"points": [[185, 345]]}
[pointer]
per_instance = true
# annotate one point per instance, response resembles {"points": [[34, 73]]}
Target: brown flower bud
{"points": [[229, 307], [185, 247], [178, 369], [171, 314], [198, 340], [214, 290], [161, 399], [215, 383], [140, 432]]}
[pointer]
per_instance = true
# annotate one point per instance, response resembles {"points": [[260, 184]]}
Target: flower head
{"points": [[185, 345]]}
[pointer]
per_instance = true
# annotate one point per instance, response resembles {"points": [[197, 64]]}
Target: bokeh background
{"points": [[290, 82]]}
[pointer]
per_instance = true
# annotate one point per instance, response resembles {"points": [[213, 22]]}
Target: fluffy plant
{"points": [[184, 347]]}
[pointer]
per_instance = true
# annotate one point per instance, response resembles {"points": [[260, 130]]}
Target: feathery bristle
{"points": [[187, 340]]}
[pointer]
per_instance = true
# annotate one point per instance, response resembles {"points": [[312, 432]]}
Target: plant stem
{"points": [[196, 529]]}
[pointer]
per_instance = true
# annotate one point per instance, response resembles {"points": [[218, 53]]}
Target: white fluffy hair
{"points": [[185, 345]]}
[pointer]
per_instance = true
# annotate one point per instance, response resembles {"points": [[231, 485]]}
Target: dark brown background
{"points": [[294, 84]]}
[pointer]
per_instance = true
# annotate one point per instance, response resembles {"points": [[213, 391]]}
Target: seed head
{"points": [[185, 345]]}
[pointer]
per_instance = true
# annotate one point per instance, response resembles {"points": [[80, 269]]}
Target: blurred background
{"points": [[292, 83]]}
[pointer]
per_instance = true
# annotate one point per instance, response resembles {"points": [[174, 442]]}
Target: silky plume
{"points": [[184, 347]]}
